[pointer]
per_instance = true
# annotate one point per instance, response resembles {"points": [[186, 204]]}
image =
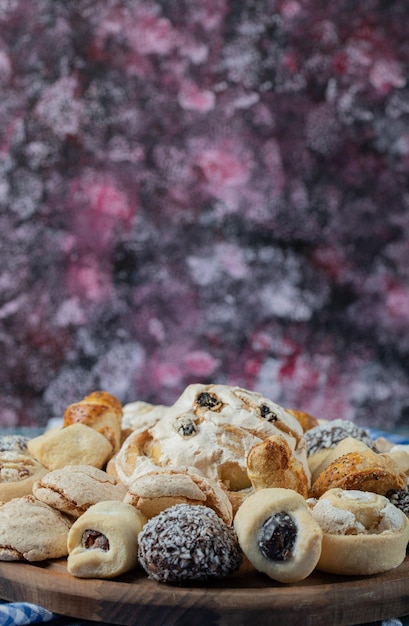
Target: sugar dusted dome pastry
{"points": [[211, 428]]}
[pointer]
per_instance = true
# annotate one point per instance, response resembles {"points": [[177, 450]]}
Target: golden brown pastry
{"points": [[101, 411], [321, 439], [211, 428], [18, 473], [73, 445], [306, 420], [345, 446], [155, 491], [75, 488], [363, 470], [278, 534], [103, 542], [270, 463], [363, 532], [32, 530]]}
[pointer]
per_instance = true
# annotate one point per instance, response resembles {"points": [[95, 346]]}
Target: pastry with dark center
{"points": [[278, 534], [103, 542], [188, 543]]}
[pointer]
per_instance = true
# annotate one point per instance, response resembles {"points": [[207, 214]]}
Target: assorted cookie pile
{"points": [[190, 492]]}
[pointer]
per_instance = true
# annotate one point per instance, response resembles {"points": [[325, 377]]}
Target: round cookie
{"points": [[31, 530], [188, 543], [278, 534], [75, 488], [155, 491], [363, 532]]}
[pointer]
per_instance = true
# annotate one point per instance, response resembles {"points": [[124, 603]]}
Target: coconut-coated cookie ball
{"points": [[188, 543]]}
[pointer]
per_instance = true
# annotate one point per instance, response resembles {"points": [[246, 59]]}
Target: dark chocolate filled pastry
{"points": [[278, 534], [188, 543]]}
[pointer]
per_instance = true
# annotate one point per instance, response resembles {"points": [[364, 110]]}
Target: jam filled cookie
{"points": [[278, 534], [103, 542]]}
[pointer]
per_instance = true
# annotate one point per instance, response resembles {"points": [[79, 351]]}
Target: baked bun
{"points": [[211, 428], [103, 542], [278, 534], [18, 473], [321, 439], [363, 470], [73, 445], [155, 491], [75, 488], [31, 530], [101, 411], [363, 533], [271, 463]]}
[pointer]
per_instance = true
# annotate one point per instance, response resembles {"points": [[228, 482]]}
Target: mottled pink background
{"points": [[205, 191]]}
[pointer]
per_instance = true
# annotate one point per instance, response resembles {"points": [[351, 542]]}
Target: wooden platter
{"points": [[245, 599]]}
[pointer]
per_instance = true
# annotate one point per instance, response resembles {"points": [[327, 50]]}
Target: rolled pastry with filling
{"points": [[103, 542], [278, 534], [363, 470], [363, 532]]}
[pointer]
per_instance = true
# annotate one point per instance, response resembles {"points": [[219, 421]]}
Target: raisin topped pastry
{"points": [[211, 428]]}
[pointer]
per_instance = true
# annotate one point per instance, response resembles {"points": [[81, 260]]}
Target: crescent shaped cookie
{"points": [[75, 488], [32, 530], [18, 473], [103, 542], [278, 534], [155, 491]]}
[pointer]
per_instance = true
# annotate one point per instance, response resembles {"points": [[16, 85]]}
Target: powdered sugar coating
{"points": [[188, 543], [329, 434], [13, 443]]}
